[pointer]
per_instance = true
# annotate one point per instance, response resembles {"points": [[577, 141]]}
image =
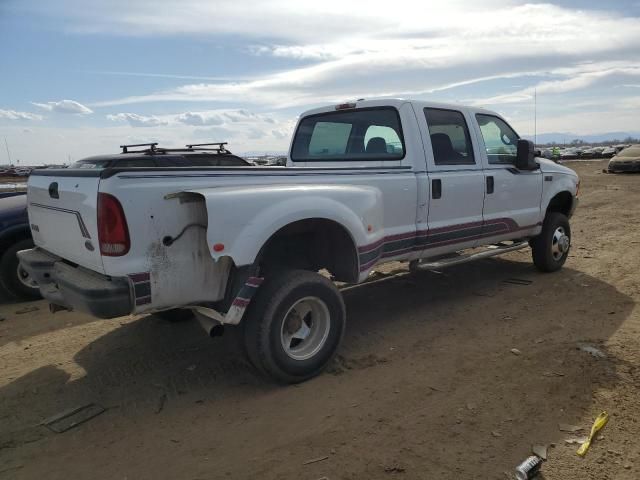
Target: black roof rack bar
{"points": [[219, 144], [152, 146]]}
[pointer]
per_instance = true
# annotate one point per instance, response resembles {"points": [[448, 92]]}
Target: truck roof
{"points": [[394, 102]]}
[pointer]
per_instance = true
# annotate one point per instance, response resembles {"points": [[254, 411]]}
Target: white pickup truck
{"points": [[365, 183]]}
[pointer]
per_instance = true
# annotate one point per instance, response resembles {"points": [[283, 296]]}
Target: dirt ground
{"points": [[425, 386]]}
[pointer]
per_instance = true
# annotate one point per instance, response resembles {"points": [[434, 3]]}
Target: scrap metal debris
{"points": [[518, 281], [540, 451], [73, 417], [591, 350], [316, 460], [565, 427], [394, 469], [161, 402], [26, 310], [575, 441], [529, 468]]}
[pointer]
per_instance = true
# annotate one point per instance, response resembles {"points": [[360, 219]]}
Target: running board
{"points": [[492, 251]]}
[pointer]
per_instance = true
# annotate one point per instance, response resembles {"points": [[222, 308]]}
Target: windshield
{"points": [[630, 152], [86, 164]]}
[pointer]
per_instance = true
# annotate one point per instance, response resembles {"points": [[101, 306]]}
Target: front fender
{"points": [[243, 219], [558, 183]]}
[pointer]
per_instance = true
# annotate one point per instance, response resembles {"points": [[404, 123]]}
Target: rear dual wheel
{"points": [[294, 325]]}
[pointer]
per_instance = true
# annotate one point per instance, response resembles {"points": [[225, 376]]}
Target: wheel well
{"points": [[312, 244], [562, 203]]}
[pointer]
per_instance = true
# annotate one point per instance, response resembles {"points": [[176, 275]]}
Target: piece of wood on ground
{"points": [[73, 417]]}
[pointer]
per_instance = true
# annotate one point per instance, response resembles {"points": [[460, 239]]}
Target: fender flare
{"points": [[267, 210]]}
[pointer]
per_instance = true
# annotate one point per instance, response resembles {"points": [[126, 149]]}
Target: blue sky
{"points": [[81, 77]]}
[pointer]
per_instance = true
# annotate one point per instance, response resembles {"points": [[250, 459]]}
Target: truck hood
{"points": [[548, 166]]}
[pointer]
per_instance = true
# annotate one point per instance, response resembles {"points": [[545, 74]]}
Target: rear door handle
{"points": [[436, 188], [489, 185]]}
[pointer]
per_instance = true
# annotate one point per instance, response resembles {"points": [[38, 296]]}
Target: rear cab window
{"points": [[360, 134]]}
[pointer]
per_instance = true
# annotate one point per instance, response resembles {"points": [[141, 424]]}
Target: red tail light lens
{"points": [[113, 233]]}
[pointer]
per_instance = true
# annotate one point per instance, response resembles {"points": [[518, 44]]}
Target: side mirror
{"points": [[525, 159]]}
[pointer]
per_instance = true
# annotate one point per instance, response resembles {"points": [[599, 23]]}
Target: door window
{"points": [[450, 137], [500, 141]]}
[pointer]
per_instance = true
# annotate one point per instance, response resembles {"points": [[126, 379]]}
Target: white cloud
{"points": [[64, 106], [15, 115], [136, 120], [200, 118], [279, 134], [573, 78], [219, 117], [453, 46]]}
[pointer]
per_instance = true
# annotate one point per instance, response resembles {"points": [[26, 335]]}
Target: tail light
{"points": [[113, 233]]}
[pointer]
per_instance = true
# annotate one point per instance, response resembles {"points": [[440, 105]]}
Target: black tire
{"points": [[544, 247], [264, 325], [13, 279], [175, 315]]}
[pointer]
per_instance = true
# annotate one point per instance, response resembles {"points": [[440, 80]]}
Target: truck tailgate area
{"points": [[63, 217]]}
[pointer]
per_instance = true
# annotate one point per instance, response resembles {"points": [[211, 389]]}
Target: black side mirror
{"points": [[525, 159]]}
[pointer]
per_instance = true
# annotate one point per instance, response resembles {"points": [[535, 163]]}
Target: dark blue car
{"points": [[15, 235]]}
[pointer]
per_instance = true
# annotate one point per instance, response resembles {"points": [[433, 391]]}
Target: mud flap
{"points": [[238, 306], [242, 300]]}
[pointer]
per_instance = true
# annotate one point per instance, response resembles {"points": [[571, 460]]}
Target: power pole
{"points": [[535, 116], [8, 153]]}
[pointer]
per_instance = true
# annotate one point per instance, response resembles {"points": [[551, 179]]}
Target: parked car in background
{"points": [[196, 155], [627, 160], [15, 235]]}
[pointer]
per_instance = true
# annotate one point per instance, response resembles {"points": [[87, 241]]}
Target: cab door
{"points": [[513, 197], [456, 182]]}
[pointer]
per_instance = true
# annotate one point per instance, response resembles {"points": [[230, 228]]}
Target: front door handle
{"points": [[489, 185], [436, 188]]}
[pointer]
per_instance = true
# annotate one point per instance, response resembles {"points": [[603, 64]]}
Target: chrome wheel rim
{"points": [[305, 328], [560, 243], [26, 279]]}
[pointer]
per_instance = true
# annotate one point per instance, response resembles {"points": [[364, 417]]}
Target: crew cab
{"points": [[365, 183]]}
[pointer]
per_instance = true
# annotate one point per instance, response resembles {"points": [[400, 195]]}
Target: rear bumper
{"points": [[77, 288]]}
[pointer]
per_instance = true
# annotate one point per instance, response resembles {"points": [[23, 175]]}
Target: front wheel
{"points": [[551, 248], [294, 325]]}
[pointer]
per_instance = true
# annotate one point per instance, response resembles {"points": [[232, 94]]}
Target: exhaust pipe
{"points": [[212, 327]]}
